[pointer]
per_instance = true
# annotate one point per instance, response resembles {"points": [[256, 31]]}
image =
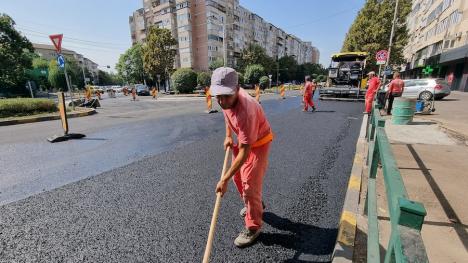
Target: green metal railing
{"points": [[406, 216]]}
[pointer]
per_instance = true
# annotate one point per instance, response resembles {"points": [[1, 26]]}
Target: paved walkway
{"points": [[432, 156]]}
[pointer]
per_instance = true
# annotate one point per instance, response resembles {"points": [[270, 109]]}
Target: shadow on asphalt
{"points": [[304, 239], [94, 139]]}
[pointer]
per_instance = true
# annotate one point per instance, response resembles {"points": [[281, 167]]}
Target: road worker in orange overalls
{"points": [[373, 86], [154, 92], [309, 89], [257, 93], [244, 117], [88, 93], [134, 94]]}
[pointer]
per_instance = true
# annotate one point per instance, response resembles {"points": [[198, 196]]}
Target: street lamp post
{"points": [[224, 43], [159, 81], [390, 43], [277, 72], [82, 69], [269, 77]]}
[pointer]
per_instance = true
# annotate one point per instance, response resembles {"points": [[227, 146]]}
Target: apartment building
{"points": [[314, 55], [48, 53], [208, 30], [438, 31]]}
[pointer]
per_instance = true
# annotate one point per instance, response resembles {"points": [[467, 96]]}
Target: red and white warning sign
{"points": [[381, 57], [57, 41]]}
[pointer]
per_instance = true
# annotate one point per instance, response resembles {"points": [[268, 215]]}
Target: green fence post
{"points": [[373, 248], [411, 213]]}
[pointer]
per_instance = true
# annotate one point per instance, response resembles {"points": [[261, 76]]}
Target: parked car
{"points": [[142, 90], [425, 88], [117, 89]]}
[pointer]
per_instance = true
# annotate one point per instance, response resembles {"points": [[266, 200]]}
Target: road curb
{"points": [[84, 112], [342, 99], [344, 246]]}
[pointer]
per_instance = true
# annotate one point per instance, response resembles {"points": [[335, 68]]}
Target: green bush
{"points": [[184, 80], [240, 78], [264, 81], [253, 73], [203, 79], [25, 106]]}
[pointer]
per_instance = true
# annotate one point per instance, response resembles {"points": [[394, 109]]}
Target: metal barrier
{"points": [[406, 216]]}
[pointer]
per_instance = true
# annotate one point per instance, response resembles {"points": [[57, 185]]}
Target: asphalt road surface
{"points": [[140, 188]]}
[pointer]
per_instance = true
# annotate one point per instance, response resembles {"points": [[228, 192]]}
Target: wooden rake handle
{"points": [[214, 218]]}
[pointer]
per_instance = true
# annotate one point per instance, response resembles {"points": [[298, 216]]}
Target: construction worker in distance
{"points": [[154, 92], [209, 105], [88, 93], [244, 117], [125, 91], [134, 94], [372, 88], [309, 89], [282, 91], [257, 93], [98, 94]]}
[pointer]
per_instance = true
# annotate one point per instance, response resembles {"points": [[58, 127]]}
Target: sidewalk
{"points": [[452, 113], [432, 156]]}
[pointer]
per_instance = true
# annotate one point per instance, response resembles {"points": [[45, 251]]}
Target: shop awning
{"points": [[454, 54]]}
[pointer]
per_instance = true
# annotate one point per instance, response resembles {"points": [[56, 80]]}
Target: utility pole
{"points": [[277, 73], [391, 40], [225, 42], [30, 89], [84, 76]]}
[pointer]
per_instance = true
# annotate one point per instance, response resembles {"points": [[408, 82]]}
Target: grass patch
{"points": [[25, 107]]}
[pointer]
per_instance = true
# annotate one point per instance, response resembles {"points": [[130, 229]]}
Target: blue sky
{"points": [[99, 29]]}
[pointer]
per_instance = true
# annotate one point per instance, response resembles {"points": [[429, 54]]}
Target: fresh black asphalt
{"points": [[158, 209]]}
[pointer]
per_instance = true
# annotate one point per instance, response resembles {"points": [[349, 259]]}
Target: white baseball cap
{"points": [[224, 81]]}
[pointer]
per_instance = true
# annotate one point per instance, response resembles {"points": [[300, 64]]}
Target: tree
{"points": [[253, 73], [321, 78], [255, 54], [105, 78], [370, 31], [264, 82], [40, 72], [57, 75], [288, 67], [159, 52], [203, 79], [130, 65], [184, 80], [75, 72], [15, 57], [219, 62], [240, 78]]}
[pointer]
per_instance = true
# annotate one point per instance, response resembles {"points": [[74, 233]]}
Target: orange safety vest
{"points": [[266, 139]]}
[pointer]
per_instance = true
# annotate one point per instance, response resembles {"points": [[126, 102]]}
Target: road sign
{"points": [[388, 70], [381, 57], [57, 41], [60, 61]]}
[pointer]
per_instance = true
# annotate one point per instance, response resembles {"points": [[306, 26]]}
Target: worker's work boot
{"points": [[313, 109], [246, 237], [243, 211]]}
